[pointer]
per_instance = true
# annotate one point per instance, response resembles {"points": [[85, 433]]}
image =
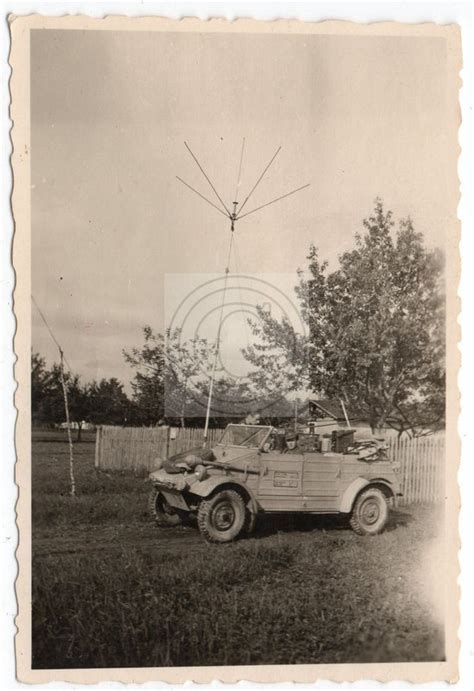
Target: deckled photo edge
{"points": [[19, 86]]}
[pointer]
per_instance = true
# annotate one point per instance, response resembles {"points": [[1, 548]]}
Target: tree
{"points": [[188, 368], [47, 397], [167, 372], [103, 402], [423, 413], [375, 324], [39, 388], [148, 385], [77, 397], [78, 402], [108, 404]]}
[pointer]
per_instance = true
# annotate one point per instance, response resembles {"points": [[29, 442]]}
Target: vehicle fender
{"points": [[355, 487], [393, 487], [206, 487], [392, 484], [350, 494]]}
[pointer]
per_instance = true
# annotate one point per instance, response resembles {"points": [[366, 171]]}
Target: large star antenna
{"points": [[233, 216], [236, 214]]}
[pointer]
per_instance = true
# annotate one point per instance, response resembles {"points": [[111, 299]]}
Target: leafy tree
{"points": [[103, 402], [375, 325], [108, 404], [424, 412], [188, 369], [78, 402], [148, 384], [167, 371], [48, 395], [39, 388]]}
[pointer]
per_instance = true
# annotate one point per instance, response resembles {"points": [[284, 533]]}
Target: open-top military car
{"points": [[252, 470]]}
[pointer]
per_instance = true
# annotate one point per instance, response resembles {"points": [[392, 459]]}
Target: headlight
{"points": [[200, 472]]}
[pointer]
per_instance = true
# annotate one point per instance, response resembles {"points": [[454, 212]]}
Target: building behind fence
{"points": [[422, 460]]}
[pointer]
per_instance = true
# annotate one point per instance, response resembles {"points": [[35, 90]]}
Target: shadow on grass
{"points": [[398, 519], [288, 523]]}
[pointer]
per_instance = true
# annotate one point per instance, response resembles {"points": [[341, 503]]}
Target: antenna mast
{"points": [[234, 216]]}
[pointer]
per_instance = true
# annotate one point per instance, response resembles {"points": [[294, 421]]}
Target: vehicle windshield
{"points": [[248, 436]]}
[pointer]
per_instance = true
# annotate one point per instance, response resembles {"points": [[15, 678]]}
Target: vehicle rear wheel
{"points": [[163, 513], [370, 512], [222, 517]]}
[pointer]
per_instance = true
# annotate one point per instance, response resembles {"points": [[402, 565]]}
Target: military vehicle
{"points": [[249, 472]]}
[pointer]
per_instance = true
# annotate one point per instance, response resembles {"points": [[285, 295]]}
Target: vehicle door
{"points": [[280, 482], [321, 482]]}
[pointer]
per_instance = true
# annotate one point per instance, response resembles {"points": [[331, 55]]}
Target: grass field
{"points": [[110, 589]]}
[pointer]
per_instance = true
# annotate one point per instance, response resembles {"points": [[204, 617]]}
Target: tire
{"points": [[164, 514], [222, 517], [370, 512]]}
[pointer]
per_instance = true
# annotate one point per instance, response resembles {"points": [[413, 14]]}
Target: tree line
{"points": [[375, 339], [102, 402]]}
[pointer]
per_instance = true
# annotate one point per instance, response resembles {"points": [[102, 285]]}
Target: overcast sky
{"points": [[356, 117]]}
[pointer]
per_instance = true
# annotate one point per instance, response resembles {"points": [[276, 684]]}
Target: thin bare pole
{"points": [[49, 329], [62, 360], [216, 349], [345, 412], [207, 178], [260, 178], [273, 201], [68, 425], [237, 273], [202, 196]]}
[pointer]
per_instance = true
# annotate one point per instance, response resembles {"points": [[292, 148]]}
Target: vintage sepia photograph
{"points": [[236, 248]]}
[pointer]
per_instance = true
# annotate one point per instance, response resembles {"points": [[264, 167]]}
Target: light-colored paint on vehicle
{"points": [[350, 494], [285, 482], [281, 476], [214, 483]]}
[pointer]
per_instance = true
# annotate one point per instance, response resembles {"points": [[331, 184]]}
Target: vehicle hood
{"points": [[221, 454]]}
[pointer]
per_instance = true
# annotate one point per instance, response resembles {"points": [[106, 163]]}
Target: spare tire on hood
{"points": [[188, 460]]}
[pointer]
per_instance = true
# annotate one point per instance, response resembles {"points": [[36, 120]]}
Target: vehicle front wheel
{"points": [[163, 513], [221, 518], [370, 512]]}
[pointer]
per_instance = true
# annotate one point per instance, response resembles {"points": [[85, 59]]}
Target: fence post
{"points": [[98, 433], [418, 458], [405, 461]]}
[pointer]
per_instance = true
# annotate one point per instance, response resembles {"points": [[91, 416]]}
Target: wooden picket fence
{"points": [[137, 448], [422, 461], [422, 468]]}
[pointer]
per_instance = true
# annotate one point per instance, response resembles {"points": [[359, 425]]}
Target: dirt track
{"points": [[153, 539], [110, 537]]}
